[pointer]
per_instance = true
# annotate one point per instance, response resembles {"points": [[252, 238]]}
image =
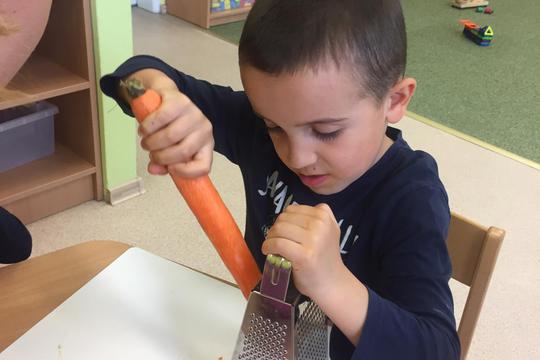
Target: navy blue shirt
{"points": [[15, 240], [394, 221]]}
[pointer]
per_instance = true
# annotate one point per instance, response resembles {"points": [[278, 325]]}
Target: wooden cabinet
{"points": [[60, 71], [198, 12]]}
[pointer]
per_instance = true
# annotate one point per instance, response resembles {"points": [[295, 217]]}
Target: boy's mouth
{"points": [[312, 180]]}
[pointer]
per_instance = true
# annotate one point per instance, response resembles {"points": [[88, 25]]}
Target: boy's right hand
{"points": [[177, 135]]}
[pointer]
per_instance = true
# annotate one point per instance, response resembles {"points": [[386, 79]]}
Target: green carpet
{"points": [[490, 93]]}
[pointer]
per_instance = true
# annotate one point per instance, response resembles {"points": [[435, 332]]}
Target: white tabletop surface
{"points": [[140, 307]]}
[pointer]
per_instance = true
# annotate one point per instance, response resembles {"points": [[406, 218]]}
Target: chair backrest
{"points": [[473, 252]]}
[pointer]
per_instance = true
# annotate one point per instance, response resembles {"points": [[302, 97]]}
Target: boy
{"points": [[329, 186]]}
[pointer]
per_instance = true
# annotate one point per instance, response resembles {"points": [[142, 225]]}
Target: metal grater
{"points": [[277, 324]]}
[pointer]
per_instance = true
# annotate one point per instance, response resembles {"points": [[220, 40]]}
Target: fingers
{"points": [[328, 211], [199, 165], [288, 230], [174, 131], [184, 151], [285, 238], [172, 107], [155, 169], [306, 216], [305, 209], [301, 220], [307, 236], [325, 208], [288, 249], [178, 137], [303, 225]]}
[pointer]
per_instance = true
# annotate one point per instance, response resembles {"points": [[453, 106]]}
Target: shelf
{"points": [[223, 17], [198, 12], [56, 170], [61, 71], [40, 79], [232, 12]]}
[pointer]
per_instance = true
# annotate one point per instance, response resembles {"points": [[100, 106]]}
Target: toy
{"points": [[480, 35], [485, 10], [462, 4], [224, 5]]}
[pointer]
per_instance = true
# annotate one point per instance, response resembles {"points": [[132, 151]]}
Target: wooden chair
{"points": [[473, 252]]}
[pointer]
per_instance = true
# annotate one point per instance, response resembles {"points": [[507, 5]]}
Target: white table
{"points": [[141, 306]]}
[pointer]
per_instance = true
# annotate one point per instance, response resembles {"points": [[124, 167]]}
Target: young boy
{"points": [[329, 185]]}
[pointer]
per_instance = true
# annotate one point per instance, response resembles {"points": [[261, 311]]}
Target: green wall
{"points": [[113, 43]]}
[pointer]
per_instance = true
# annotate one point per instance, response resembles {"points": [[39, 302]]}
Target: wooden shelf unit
{"points": [[198, 12], [40, 79], [44, 174], [60, 71]]}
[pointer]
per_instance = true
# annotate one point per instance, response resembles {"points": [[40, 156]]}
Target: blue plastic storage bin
{"points": [[26, 134]]}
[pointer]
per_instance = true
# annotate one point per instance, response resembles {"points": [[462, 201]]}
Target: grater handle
{"points": [[276, 277]]}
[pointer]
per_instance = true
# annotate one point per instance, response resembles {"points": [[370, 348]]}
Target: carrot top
{"points": [[134, 87]]}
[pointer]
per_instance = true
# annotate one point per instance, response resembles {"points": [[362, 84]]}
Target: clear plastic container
{"points": [[26, 134]]}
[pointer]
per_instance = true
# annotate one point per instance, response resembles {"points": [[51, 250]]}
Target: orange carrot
{"points": [[206, 204]]}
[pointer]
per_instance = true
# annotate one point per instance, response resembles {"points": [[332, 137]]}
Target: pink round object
{"points": [[22, 24], [488, 10]]}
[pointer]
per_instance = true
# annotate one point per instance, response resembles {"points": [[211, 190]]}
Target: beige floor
{"points": [[484, 186]]}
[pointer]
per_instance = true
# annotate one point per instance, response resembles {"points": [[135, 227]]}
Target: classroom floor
{"points": [[482, 185]]}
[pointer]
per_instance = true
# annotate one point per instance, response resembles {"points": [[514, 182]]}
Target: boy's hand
{"points": [[308, 237], [177, 135]]}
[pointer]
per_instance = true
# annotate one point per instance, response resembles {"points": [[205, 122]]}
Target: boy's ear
{"points": [[398, 99]]}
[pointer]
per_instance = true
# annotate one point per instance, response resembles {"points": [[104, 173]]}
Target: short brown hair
{"points": [[285, 36]]}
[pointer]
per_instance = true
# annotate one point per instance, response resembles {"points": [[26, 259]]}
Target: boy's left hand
{"points": [[308, 237]]}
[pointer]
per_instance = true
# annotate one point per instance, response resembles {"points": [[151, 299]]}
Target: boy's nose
{"points": [[300, 156]]}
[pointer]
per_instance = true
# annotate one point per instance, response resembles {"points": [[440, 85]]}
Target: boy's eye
{"points": [[326, 136]]}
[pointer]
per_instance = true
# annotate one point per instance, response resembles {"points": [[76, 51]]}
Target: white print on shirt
{"points": [[345, 238], [281, 201], [273, 185]]}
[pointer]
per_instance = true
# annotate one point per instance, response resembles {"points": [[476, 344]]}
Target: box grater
{"points": [[279, 323]]}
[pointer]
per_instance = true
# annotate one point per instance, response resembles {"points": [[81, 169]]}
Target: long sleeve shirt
{"points": [[15, 240]]}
